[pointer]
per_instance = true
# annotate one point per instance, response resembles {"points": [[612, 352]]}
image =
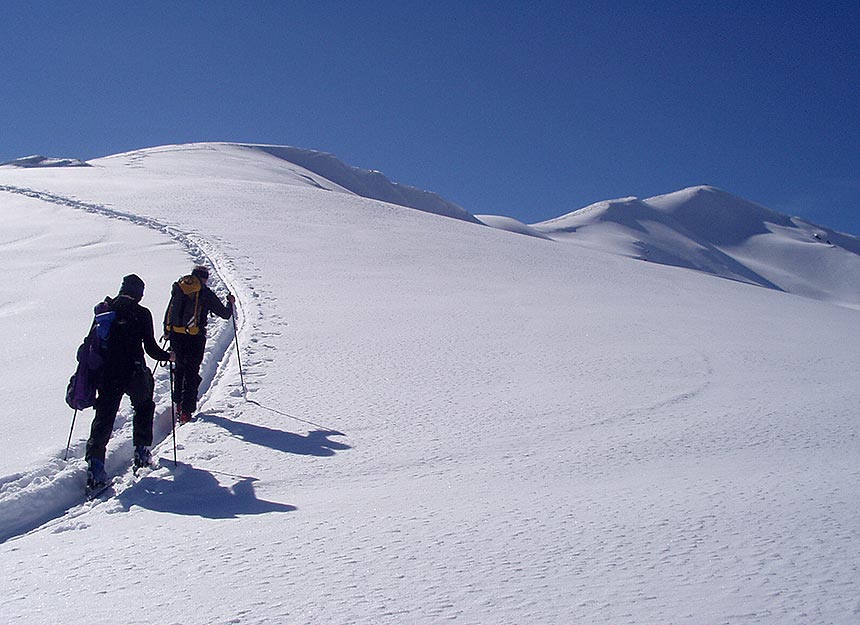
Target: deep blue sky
{"points": [[528, 111]]}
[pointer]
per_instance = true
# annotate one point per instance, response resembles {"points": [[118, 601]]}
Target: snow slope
{"points": [[709, 230], [510, 224], [287, 165], [443, 422]]}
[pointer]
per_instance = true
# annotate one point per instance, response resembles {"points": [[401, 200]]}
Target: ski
{"points": [[95, 490], [143, 469]]}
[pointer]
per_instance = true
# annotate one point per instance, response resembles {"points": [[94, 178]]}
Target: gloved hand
{"points": [[231, 298]]}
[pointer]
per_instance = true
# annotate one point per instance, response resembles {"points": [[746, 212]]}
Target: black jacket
{"points": [[209, 303], [131, 333]]}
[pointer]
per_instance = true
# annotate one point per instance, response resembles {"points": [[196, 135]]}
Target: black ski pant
{"points": [[139, 386], [186, 373]]}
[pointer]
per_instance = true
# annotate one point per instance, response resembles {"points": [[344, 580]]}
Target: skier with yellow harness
{"points": [[191, 301]]}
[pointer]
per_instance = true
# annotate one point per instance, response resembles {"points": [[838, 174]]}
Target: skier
{"points": [[185, 320], [125, 373]]}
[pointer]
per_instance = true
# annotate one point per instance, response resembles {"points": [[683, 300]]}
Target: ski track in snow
{"points": [[53, 493]]}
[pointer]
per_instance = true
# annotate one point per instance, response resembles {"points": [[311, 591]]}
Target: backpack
{"points": [[183, 311], [81, 392]]}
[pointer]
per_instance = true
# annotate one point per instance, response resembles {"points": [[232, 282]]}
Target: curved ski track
{"points": [[52, 493]]}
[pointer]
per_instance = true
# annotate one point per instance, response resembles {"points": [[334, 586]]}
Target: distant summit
{"points": [[44, 161], [707, 229]]}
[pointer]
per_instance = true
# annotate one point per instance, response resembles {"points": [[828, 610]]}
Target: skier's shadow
{"points": [[315, 443], [197, 492]]}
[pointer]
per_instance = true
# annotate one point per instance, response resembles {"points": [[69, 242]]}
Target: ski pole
{"points": [[173, 415], [72, 429], [238, 355]]}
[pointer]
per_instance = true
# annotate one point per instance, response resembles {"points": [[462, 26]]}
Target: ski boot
{"points": [[96, 474], [97, 479], [142, 457]]}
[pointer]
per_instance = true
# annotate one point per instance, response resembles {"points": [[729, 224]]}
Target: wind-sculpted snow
{"points": [[369, 184]]}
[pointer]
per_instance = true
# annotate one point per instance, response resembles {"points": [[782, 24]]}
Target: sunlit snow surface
{"points": [[444, 422]]}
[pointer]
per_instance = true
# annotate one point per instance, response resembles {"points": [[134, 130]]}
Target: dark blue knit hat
{"points": [[132, 286], [200, 272]]}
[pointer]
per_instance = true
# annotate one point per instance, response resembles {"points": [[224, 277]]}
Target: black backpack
{"points": [[183, 311]]}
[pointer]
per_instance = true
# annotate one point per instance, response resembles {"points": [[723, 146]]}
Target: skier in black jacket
{"points": [[186, 330], [125, 373]]}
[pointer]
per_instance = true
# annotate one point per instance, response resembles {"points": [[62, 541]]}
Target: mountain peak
{"points": [[716, 215], [707, 229]]}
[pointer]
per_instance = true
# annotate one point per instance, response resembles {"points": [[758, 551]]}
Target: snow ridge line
{"points": [[31, 499]]}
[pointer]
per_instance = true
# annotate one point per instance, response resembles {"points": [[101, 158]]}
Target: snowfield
{"points": [[442, 421]]}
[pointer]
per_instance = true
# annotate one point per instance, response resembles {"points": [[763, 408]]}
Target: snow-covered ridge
{"points": [[44, 161], [367, 183], [279, 163], [709, 230], [700, 228], [510, 224]]}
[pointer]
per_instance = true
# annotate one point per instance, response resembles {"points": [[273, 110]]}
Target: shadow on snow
{"points": [[315, 443], [196, 492]]}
